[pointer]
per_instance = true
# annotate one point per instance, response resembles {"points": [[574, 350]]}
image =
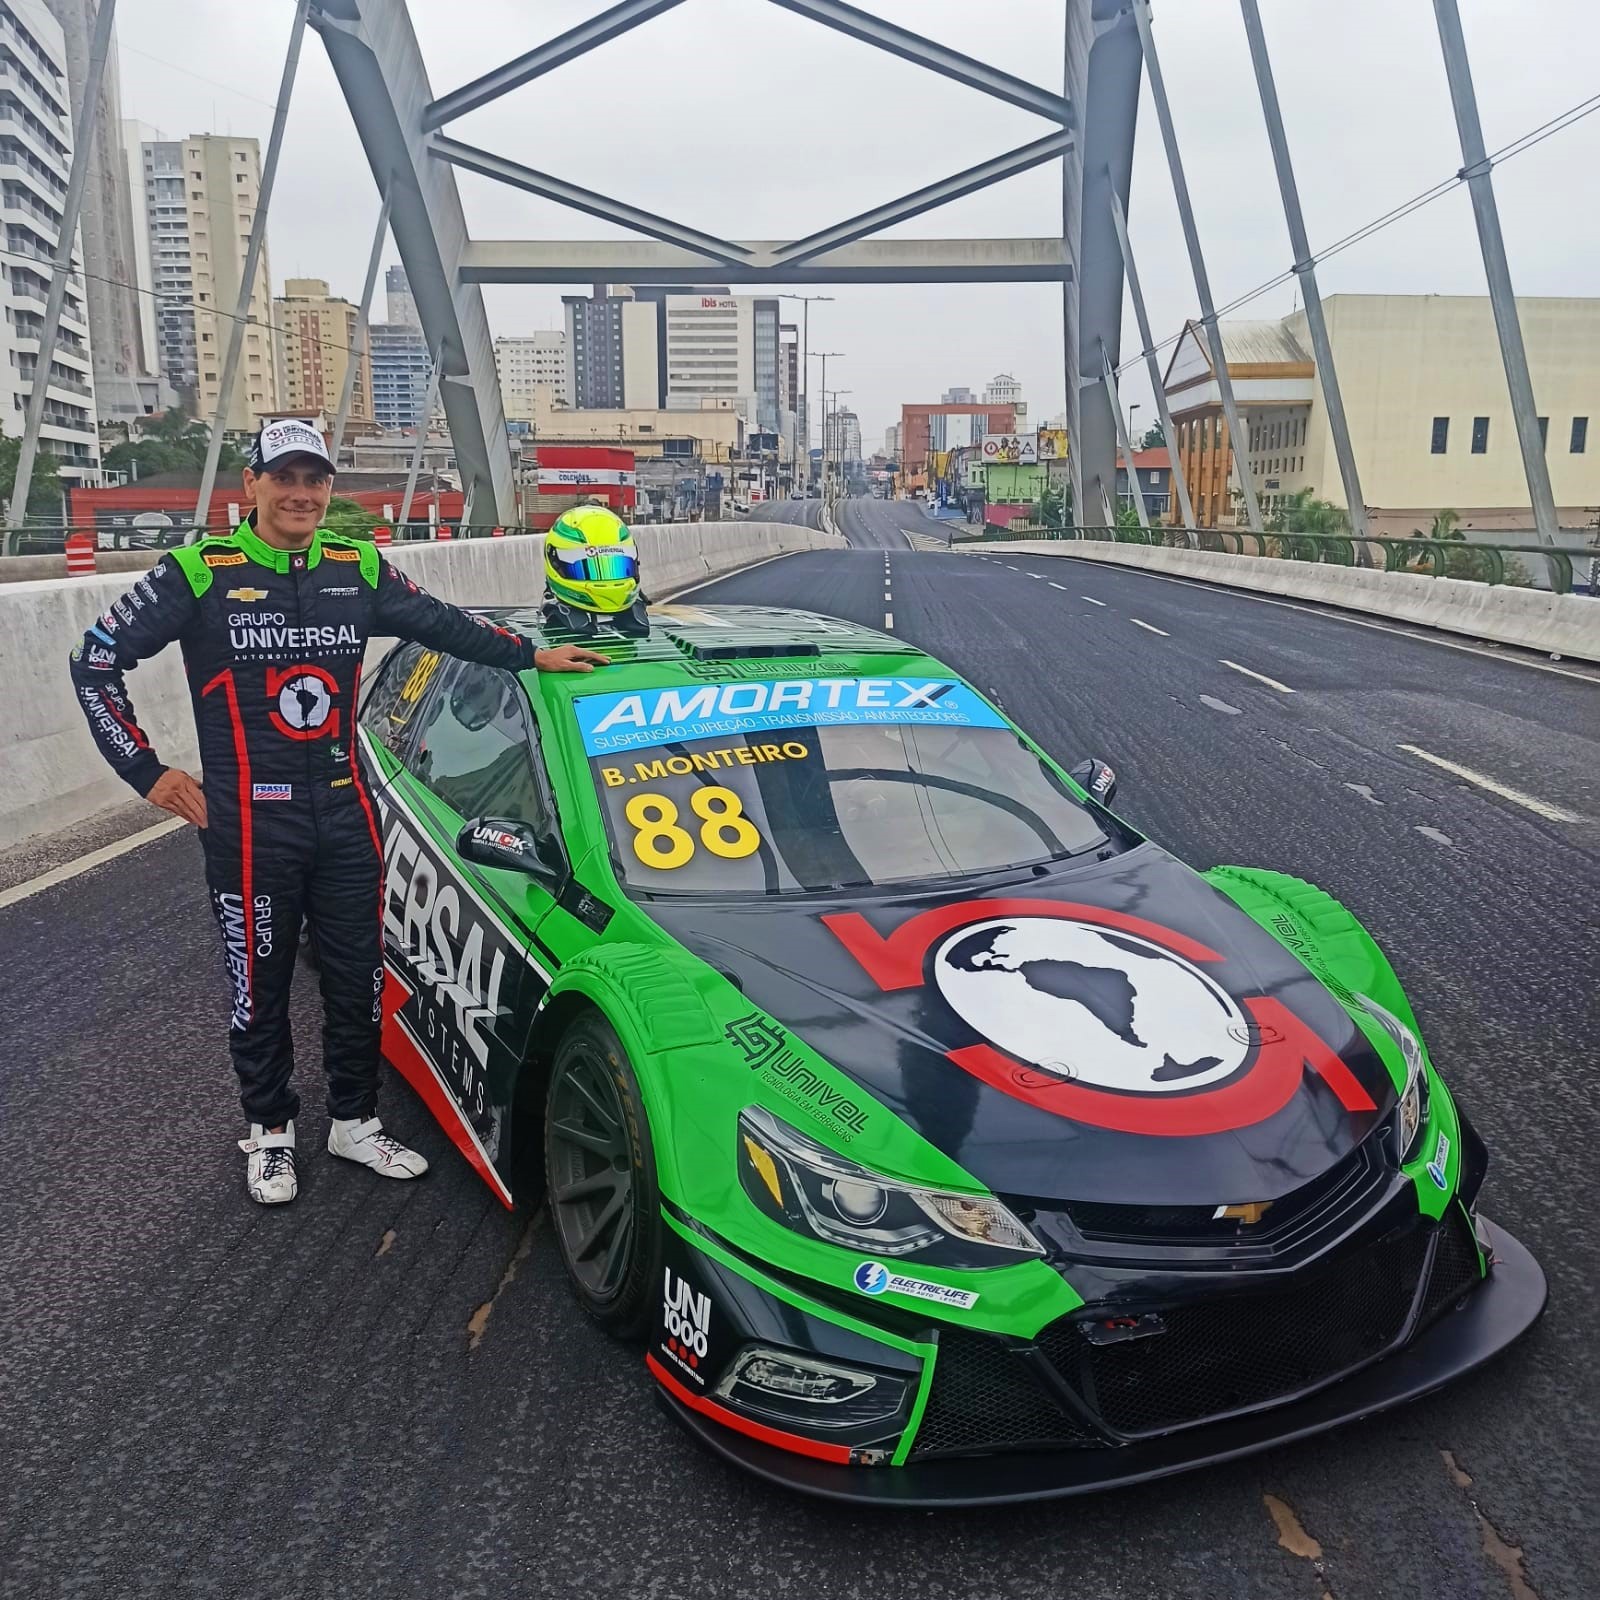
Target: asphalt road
{"points": [[387, 1390]]}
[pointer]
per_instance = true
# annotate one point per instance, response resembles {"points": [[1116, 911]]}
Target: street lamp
{"points": [[1133, 438], [824, 354], [805, 344]]}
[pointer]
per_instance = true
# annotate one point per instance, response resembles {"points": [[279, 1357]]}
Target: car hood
{"points": [[1114, 1030]]}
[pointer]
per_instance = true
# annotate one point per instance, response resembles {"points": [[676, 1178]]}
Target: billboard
{"points": [[1052, 444], [1010, 449]]}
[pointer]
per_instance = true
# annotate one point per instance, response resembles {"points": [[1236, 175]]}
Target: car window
{"points": [[397, 694], [808, 809], [476, 749]]}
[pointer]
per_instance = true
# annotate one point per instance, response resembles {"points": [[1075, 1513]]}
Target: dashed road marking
{"points": [[1434, 834], [1091, 599], [1260, 677], [1054, 585], [1149, 627], [888, 621], [1365, 791], [1540, 808], [1220, 705]]}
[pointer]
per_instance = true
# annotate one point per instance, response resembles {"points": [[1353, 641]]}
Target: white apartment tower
{"points": [[528, 362], [35, 157]]}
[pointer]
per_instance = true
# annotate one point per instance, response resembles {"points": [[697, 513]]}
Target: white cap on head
{"points": [[277, 441]]}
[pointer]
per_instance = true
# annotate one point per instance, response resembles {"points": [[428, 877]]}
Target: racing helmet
{"points": [[591, 562]]}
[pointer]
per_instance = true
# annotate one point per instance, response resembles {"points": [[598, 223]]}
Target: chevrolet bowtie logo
{"points": [[1251, 1212], [247, 595]]}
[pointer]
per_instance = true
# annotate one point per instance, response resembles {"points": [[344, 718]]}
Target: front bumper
{"points": [[1499, 1311]]}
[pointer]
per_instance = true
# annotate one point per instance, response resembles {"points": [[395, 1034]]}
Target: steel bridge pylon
{"points": [[375, 55]]}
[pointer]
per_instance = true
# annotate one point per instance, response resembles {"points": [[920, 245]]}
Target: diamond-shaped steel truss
{"points": [[374, 52]]}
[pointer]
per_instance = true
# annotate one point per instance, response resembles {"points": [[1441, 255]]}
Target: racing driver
{"points": [[273, 621]]}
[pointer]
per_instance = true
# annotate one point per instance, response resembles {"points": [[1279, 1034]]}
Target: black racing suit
{"points": [[272, 644]]}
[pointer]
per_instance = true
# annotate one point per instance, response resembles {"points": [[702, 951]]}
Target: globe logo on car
{"points": [[872, 1277]]}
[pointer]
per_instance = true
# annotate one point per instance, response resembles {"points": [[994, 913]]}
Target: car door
{"points": [[462, 938]]}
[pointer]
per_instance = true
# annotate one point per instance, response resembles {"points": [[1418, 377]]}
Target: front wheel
{"points": [[604, 1201]]}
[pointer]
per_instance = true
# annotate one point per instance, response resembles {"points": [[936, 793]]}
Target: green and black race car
{"points": [[945, 1139]]}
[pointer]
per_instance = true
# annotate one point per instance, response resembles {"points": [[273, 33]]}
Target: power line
{"points": [[1556, 124]]}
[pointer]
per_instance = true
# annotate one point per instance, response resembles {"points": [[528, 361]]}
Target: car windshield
{"points": [[806, 807]]}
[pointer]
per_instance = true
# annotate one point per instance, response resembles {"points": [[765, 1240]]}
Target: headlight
{"points": [[1411, 1114], [816, 1191]]}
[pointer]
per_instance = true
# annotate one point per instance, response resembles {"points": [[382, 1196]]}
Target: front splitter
{"points": [[1495, 1316]]}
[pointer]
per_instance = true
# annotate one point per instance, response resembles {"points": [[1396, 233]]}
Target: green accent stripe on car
{"points": [[908, 1439]]}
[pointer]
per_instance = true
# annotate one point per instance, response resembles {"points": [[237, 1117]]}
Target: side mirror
{"points": [[512, 846], [1097, 779]]}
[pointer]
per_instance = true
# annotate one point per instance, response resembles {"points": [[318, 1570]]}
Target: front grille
{"points": [[984, 1398], [1232, 1353], [1216, 1356]]}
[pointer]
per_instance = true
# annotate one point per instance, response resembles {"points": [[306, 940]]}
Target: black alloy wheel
{"points": [[600, 1167]]}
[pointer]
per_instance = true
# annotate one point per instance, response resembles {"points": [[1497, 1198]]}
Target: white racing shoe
{"points": [[367, 1143], [269, 1169]]}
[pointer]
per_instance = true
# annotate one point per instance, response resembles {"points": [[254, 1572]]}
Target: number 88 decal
{"points": [[659, 842]]}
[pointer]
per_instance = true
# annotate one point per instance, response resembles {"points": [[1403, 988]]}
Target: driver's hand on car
{"points": [[177, 792], [569, 658]]}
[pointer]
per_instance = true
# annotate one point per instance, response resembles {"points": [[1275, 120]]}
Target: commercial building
{"points": [[398, 354], [950, 425], [35, 157], [106, 228], [1425, 395], [316, 338], [527, 362], [200, 199], [1004, 390], [711, 350]]}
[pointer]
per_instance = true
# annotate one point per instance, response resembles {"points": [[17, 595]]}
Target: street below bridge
{"points": [[388, 1390]]}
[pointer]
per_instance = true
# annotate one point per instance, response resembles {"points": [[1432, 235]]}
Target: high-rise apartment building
{"points": [[106, 228], [527, 363], [843, 436], [35, 157], [399, 356], [613, 352], [156, 394], [768, 379], [316, 339], [201, 201]]}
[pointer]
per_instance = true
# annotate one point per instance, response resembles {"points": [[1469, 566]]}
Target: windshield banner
{"points": [[611, 722]]}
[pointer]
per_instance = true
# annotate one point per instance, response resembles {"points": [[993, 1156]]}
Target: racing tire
{"points": [[600, 1166]]}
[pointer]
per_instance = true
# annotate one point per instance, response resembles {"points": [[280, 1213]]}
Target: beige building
{"points": [[712, 434], [221, 179], [1425, 394], [316, 333]]}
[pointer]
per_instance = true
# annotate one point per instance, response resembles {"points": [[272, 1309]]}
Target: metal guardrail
{"points": [[1438, 558]]}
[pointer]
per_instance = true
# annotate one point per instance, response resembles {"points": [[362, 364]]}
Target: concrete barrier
{"points": [[51, 776], [1535, 619]]}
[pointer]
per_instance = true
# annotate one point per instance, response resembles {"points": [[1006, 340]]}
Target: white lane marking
{"points": [[1149, 627], [888, 621], [1365, 791], [1220, 705], [1260, 677], [1091, 599], [1054, 585], [705, 583], [1039, 575], [95, 858], [1332, 615], [1540, 808], [1434, 834]]}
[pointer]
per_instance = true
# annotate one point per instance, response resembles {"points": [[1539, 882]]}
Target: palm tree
{"points": [[1445, 525]]}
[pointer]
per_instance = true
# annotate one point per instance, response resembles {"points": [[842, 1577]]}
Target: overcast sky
{"points": [[742, 119]]}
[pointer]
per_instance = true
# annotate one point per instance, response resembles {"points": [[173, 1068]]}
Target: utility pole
{"points": [[824, 354], [805, 363]]}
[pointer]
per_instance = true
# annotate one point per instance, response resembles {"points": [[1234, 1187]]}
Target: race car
{"points": [[943, 1139]]}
